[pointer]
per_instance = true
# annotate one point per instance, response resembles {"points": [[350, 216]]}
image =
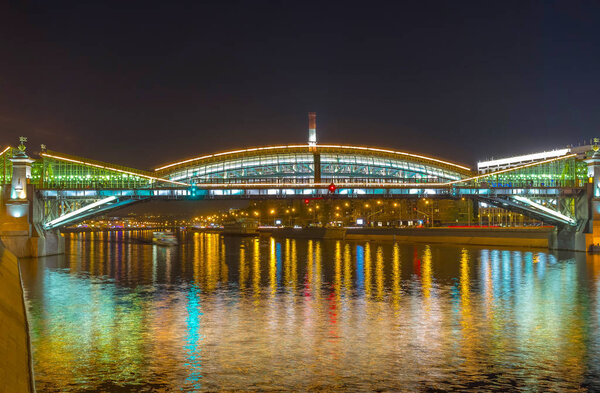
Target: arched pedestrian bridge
{"points": [[65, 188]]}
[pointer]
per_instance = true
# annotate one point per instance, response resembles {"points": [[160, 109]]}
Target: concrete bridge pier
{"points": [[568, 239], [22, 214], [24, 235], [576, 238], [593, 194], [586, 236], [587, 232]]}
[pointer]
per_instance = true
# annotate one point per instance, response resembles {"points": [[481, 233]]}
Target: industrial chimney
{"points": [[312, 129]]}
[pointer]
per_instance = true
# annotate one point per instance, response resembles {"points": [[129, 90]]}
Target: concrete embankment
{"points": [[15, 357], [89, 230], [512, 237], [306, 233]]}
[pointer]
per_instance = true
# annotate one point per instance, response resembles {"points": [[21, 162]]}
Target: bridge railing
{"points": [[575, 183], [298, 192]]}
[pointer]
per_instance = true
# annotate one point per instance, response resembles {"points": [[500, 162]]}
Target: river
{"points": [[262, 314]]}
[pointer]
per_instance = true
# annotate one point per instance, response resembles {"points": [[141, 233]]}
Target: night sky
{"points": [[145, 83]]}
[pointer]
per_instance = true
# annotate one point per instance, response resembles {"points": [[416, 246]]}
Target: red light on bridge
{"points": [[306, 201], [332, 187]]}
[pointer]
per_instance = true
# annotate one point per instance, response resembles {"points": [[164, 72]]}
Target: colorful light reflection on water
{"points": [[282, 314]]}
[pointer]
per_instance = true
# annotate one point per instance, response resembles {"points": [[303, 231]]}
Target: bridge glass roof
{"points": [[296, 165], [350, 167], [270, 168]]}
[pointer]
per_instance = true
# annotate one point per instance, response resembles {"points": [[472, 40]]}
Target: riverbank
{"points": [[16, 373], [88, 229], [540, 237], [480, 236]]}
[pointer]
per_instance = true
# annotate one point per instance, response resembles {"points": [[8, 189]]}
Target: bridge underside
{"points": [[71, 212], [67, 207]]}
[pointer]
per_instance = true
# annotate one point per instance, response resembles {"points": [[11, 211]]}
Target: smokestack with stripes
{"points": [[312, 129]]}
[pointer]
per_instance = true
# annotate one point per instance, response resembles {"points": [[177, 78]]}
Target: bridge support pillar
{"points": [[581, 237], [568, 239], [24, 235], [22, 213], [593, 193]]}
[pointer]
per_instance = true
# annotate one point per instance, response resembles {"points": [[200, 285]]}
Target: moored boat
{"points": [[164, 239], [240, 227]]}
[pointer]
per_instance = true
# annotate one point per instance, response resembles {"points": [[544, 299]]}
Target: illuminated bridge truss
{"points": [[5, 165], [551, 191], [67, 184]]}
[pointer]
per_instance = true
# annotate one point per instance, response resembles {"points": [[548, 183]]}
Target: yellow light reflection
{"points": [[256, 271], [367, 270], [243, 271], [337, 279], [286, 263], [426, 272], [465, 290], [347, 270], [379, 272], [224, 268], [318, 267], [212, 263], [396, 277], [294, 267], [309, 265], [272, 267]]}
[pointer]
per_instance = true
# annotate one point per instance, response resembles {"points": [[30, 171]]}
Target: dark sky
{"points": [[145, 83]]}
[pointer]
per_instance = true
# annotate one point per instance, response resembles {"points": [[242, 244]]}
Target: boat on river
{"points": [[240, 227], [164, 239]]}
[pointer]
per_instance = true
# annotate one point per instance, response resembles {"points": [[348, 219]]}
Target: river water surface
{"points": [[263, 314]]}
